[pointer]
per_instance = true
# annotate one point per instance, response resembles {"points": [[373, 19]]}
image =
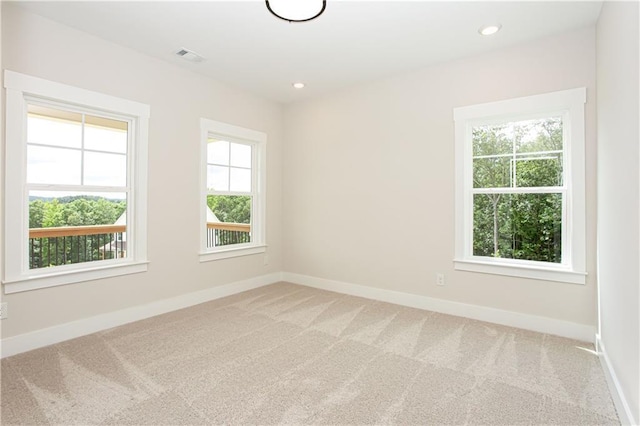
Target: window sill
{"points": [[38, 281], [522, 271], [227, 253]]}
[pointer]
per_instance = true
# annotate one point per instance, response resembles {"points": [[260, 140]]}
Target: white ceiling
{"points": [[352, 42]]}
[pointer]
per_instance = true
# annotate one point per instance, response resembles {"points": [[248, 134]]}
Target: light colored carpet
{"points": [[287, 354]]}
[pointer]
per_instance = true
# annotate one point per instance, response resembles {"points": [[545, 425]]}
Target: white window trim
{"points": [[258, 209], [17, 277], [571, 104]]}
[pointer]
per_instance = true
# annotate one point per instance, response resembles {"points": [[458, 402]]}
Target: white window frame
{"points": [[570, 105], [258, 141], [22, 89]]}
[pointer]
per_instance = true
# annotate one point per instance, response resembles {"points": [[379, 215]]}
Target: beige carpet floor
{"points": [[287, 354]]}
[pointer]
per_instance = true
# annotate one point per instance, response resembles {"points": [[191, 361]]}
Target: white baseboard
{"points": [[59, 333], [618, 396], [48, 336], [556, 327]]}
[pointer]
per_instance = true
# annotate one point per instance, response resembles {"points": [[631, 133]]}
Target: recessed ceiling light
{"points": [[298, 85], [486, 30]]}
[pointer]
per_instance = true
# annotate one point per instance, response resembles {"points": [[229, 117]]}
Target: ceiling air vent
{"points": [[189, 55]]}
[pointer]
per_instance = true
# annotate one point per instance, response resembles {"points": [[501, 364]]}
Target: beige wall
{"points": [[178, 98], [618, 193], [365, 175], [369, 178]]}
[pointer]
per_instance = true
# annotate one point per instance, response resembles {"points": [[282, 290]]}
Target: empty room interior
{"points": [[350, 212]]}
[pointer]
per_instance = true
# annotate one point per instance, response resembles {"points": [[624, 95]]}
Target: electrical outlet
{"points": [[439, 279], [4, 310]]}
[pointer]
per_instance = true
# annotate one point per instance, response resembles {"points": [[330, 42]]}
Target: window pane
{"points": [[530, 149], [228, 220], [48, 126], [218, 178], [518, 226], [54, 236], [105, 169], [492, 172], [241, 155], [218, 152], [53, 165], [539, 170], [240, 180], [103, 134]]}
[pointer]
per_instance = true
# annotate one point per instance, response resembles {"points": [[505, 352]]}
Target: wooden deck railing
{"points": [[75, 244], [225, 233], [70, 231], [228, 226]]}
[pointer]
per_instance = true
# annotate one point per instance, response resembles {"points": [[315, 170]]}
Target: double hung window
{"points": [[232, 190], [75, 184], [520, 187]]}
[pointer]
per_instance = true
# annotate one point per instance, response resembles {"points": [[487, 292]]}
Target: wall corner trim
{"points": [[556, 327], [619, 399], [59, 333]]}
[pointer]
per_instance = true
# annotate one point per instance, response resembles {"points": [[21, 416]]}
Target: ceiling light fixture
{"points": [[298, 85], [296, 10], [486, 30]]}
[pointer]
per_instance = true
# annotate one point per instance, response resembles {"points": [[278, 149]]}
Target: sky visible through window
{"points": [[228, 166], [63, 151]]}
